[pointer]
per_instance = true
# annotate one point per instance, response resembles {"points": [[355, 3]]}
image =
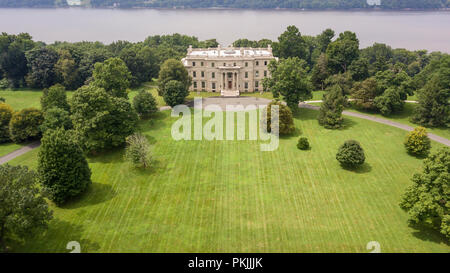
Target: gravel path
{"points": [[19, 152], [383, 121], [222, 102]]}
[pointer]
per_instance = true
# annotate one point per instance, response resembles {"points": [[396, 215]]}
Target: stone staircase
{"points": [[229, 93]]}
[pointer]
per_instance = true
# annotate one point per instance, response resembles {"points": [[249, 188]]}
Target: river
{"points": [[401, 29]]}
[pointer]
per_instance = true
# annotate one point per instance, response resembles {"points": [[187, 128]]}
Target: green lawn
{"points": [[228, 196], [6, 148]]}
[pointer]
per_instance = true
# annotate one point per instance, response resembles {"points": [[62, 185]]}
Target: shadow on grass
{"points": [[364, 168], [55, 239], [108, 156], [96, 193], [347, 124], [426, 233]]}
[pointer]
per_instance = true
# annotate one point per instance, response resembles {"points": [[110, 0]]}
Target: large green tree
{"points": [[290, 44], [6, 113], [342, 52], [25, 125], [54, 96], [427, 200], [113, 76], [101, 120], [289, 79], [330, 114], [23, 210], [41, 66], [173, 70]]}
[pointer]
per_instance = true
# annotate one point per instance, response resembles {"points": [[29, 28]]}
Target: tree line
{"points": [[250, 4]]}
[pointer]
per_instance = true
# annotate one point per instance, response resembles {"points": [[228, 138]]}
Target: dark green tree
{"points": [[173, 70], [342, 52], [285, 118], [55, 118], [427, 200], [330, 114], [113, 76], [289, 79], [351, 154], [144, 103], [41, 66], [6, 113], [390, 102], [23, 210], [62, 167], [54, 96], [290, 44], [175, 93]]}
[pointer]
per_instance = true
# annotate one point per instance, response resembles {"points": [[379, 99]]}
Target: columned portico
{"points": [[230, 80]]}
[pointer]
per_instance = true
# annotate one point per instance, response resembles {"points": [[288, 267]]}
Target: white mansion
{"points": [[228, 70]]}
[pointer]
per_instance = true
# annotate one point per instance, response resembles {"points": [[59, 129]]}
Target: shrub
{"points": [[144, 103], [390, 102], [54, 96], [330, 115], [25, 125], [6, 113], [62, 167], [286, 121], [350, 154], [175, 93], [417, 142], [56, 118], [426, 200], [4, 83], [303, 143], [138, 151]]}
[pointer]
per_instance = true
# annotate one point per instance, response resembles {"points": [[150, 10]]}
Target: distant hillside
{"points": [[250, 4]]}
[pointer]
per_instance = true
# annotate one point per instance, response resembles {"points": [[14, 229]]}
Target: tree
{"points": [[170, 70], [175, 93], [290, 44], [364, 93], [330, 115], [138, 151], [378, 56], [141, 62], [359, 69], [426, 200], [390, 102], [288, 78], [41, 66], [320, 72], [417, 142], [14, 63], [66, 70], [144, 103], [351, 154], [55, 118], [285, 118], [54, 96], [303, 143], [343, 80], [113, 76], [62, 167], [101, 120], [342, 52], [25, 125], [6, 113], [324, 39], [23, 210], [433, 108]]}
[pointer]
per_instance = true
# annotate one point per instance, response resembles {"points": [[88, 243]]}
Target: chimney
{"points": [[190, 49], [269, 47]]}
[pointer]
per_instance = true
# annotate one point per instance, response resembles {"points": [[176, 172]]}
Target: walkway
{"points": [[19, 152]]}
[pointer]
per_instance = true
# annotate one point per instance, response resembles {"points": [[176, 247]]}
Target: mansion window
{"points": [[265, 73], [234, 64], [224, 64], [256, 84], [246, 85], [203, 85], [246, 64], [193, 63], [213, 86], [265, 62], [256, 73], [195, 85], [203, 74], [194, 74], [212, 64], [246, 75], [213, 75], [201, 63], [257, 63]]}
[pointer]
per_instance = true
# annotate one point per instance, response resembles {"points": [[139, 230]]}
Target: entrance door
{"points": [[230, 84]]}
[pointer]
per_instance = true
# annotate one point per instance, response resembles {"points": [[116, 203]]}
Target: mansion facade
{"points": [[229, 71]]}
